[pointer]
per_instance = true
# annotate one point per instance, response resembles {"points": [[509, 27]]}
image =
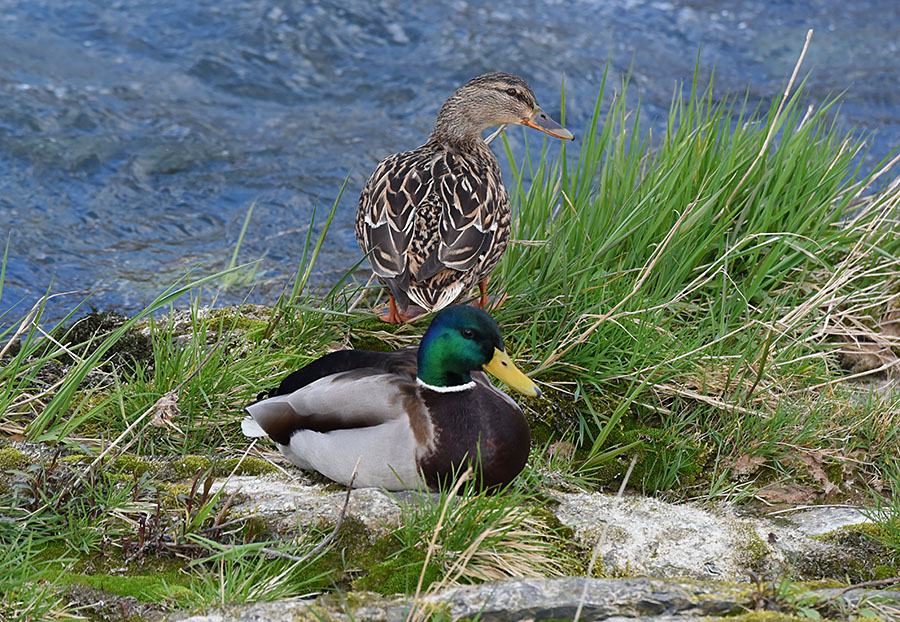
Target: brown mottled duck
{"points": [[435, 221]]}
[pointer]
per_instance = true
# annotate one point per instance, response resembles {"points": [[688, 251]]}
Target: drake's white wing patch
{"points": [[252, 429]]}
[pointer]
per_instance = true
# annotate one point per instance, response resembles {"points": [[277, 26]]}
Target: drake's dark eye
{"points": [[468, 333], [511, 92]]}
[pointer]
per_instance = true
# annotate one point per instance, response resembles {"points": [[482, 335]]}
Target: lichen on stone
{"points": [[752, 551]]}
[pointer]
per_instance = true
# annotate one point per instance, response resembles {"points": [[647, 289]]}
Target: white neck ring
{"points": [[454, 389]]}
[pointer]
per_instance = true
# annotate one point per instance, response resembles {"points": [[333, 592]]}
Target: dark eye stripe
{"points": [[519, 95]]}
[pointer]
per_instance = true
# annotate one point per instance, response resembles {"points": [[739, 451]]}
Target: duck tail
{"points": [[399, 286]]}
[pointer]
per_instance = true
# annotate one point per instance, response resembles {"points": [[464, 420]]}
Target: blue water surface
{"points": [[135, 136]]}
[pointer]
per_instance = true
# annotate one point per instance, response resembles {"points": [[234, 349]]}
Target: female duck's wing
{"points": [[473, 201], [386, 216]]}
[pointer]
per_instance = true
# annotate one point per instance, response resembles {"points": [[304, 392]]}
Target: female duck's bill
{"points": [[541, 121]]}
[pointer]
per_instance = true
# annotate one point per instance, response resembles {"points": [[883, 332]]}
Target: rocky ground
{"points": [[650, 560], [659, 561], [539, 599]]}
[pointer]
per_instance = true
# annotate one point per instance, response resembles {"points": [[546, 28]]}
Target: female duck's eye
{"points": [[468, 333], [511, 92]]}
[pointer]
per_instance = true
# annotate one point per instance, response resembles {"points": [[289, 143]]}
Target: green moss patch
{"points": [[369, 342], [12, 459], [190, 466], [133, 465], [242, 319], [148, 588], [398, 573], [248, 466], [150, 580], [393, 568]]}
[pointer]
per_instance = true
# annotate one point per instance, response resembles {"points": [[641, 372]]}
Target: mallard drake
{"points": [[435, 220], [410, 416]]}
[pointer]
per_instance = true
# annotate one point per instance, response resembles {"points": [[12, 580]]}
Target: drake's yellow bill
{"points": [[502, 367]]}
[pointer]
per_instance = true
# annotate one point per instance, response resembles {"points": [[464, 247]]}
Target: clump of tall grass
{"points": [[719, 265], [466, 536]]}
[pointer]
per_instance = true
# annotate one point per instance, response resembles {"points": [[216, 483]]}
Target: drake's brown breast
{"points": [[478, 427]]}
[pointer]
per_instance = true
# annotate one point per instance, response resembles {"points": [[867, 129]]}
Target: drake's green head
{"points": [[463, 339]]}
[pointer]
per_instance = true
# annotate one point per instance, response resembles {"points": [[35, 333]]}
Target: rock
{"points": [[506, 601], [523, 599], [559, 598], [817, 521], [642, 537], [647, 537], [291, 611], [284, 506]]}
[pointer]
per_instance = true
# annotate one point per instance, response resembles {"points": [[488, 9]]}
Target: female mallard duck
{"points": [[435, 220], [410, 416]]}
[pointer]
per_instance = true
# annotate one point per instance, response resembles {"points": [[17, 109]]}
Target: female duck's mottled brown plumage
{"points": [[435, 220]]}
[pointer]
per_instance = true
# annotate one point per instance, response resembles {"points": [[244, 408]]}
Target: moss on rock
{"points": [[131, 464], [190, 466], [765, 616], [398, 573], [250, 319], [12, 459], [752, 551], [85, 335], [248, 466], [73, 459], [369, 342], [856, 556], [151, 587], [666, 460]]}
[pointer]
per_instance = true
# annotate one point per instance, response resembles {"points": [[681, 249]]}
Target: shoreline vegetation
{"points": [[708, 306]]}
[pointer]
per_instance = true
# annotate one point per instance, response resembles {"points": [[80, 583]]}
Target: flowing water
{"points": [[135, 136]]}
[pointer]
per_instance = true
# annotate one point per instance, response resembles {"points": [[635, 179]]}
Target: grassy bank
{"points": [[711, 303]]}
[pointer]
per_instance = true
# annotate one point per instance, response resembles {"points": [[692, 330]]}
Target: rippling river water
{"points": [[134, 136]]}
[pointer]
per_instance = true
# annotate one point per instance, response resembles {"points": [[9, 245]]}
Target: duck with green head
{"points": [[411, 416]]}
